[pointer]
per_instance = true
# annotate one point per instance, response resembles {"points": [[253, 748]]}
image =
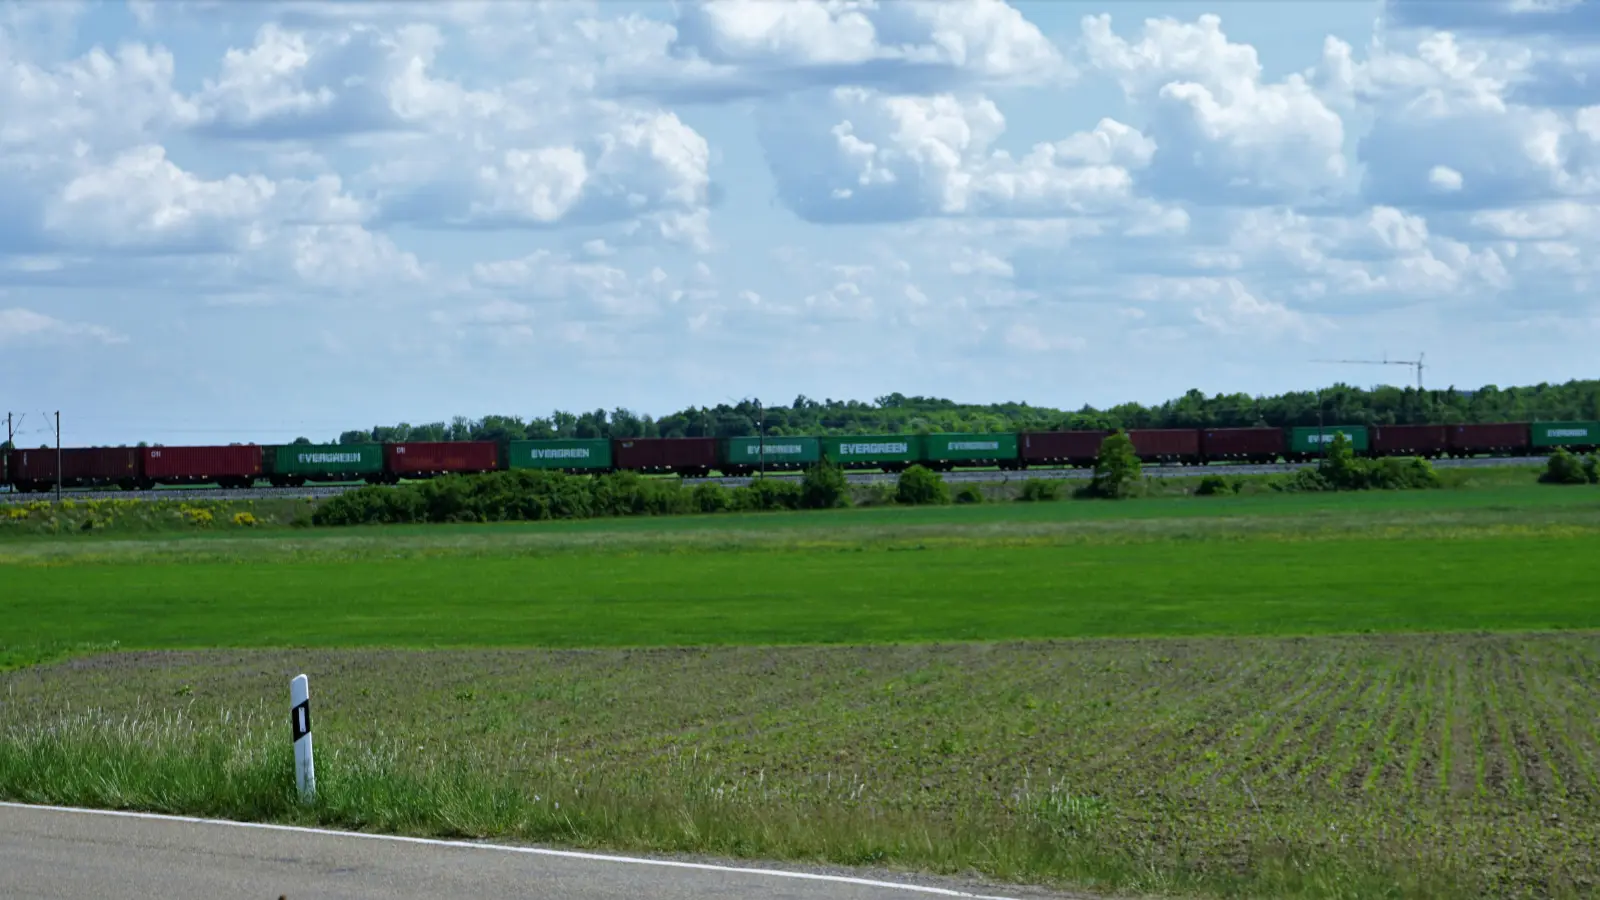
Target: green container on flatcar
{"points": [[324, 462], [959, 447], [1312, 439], [1565, 434], [571, 453], [779, 450], [872, 449]]}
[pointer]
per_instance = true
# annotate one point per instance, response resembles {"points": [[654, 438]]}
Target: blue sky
{"points": [[251, 221]]}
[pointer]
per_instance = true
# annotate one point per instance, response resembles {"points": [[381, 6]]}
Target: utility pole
{"points": [[1322, 439], [58, 456]]}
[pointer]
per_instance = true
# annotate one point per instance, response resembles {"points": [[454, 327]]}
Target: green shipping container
{"points": [[749, 451], [970, 447], [564, 454], [1312, 439], [1566, 434], [324, 462], [872, 449]]}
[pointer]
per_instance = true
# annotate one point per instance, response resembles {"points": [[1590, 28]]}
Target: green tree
{"points": [[1340, 466], [920, 486], [1116, 469], [300, 442], [824, 486]]}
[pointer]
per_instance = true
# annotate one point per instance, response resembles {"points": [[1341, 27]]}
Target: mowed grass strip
{"points": [[846, 595], [1069, 762]]}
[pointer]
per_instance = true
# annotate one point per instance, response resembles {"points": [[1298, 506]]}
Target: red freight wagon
{"points": [[1410, 440], [1166, 444], [233, 466], [1074, 448], [35, 470], [1491, 437], [422, 459], [1253, 444], [686, 456]]}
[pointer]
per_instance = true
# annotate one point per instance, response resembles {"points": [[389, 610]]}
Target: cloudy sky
{"points": [[249, 221]]}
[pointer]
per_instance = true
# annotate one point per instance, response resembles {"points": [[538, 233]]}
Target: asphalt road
{"points": [[61, 854], [977, 476]]}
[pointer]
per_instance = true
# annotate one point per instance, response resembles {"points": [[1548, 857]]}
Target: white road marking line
{"points": [[506, 848]]}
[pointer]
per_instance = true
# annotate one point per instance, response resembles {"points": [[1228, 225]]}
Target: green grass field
{"points": [[1268, 695]]}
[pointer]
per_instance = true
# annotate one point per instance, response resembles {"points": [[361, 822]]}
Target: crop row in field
{"points": [[1354, 766]]}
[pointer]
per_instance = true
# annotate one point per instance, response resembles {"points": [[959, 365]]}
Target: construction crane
{"points": [[1386, 361]]}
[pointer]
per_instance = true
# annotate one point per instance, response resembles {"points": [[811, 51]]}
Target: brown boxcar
{"points": [[234, 466], [424, 459], [1166, 444], [1410, 440], [1490, 437], [1055, 448], [1253, 444], [685, 456], [80, 467]]}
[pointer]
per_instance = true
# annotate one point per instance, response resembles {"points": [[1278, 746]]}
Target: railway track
{"points": [[983, 476]]}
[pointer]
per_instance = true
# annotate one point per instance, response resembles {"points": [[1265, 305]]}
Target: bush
{"points": [[824, 487], [1116, 469], [710, 497], [919, 486], [1564, 468], [1394, 474], [1342, 470], [517, 496], [1212, 485], [766, 494], [1591, 468], [969, 493], [1339, 467], [1302, 481], [1038, 489]]}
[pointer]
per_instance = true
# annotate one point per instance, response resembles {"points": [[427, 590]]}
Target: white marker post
{"points": [[305, 776]]}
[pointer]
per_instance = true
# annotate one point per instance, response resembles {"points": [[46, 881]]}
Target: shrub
{"points": [[1564, 468], [710, 497], [244, 520], [1116, 469], [1037, 489], [1591, 468], [824, 487], [1343, 471], [1302, 481], [969, 493], [1339, 466], [1211, 485], [920, 486], [1393, 474], [765, 494]]}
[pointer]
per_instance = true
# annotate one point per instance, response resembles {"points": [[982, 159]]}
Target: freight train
{"points": [[294, 465]]}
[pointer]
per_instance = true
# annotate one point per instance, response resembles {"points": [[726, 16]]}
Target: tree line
{"points": [[1341, 404]]}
